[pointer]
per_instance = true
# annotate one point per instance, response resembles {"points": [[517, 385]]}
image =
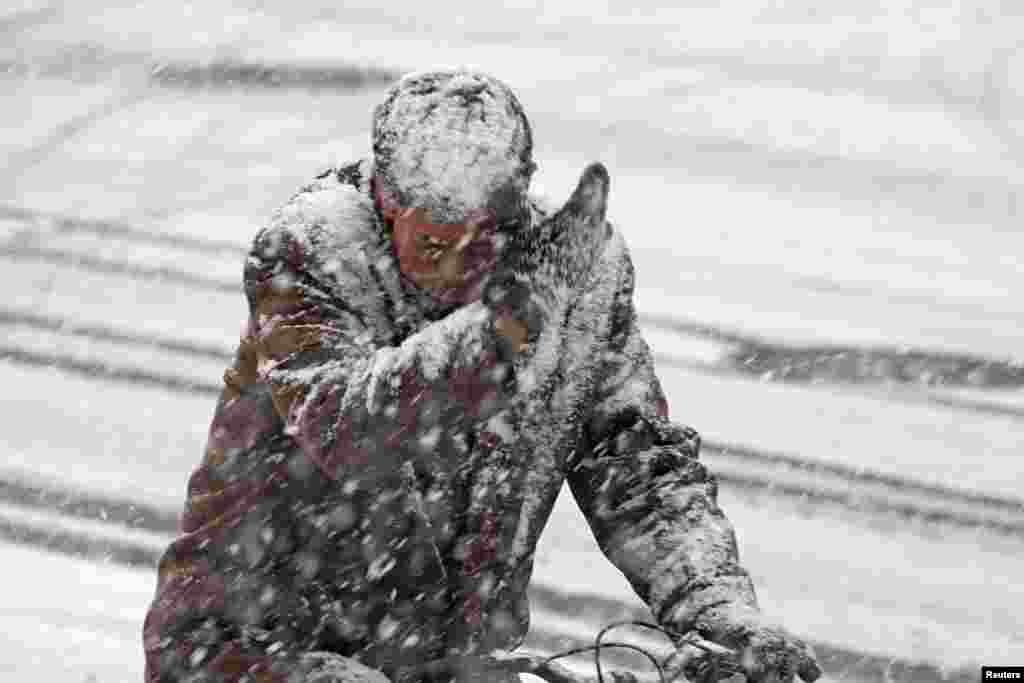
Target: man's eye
{"points": [[432, 252], [431, 242]]}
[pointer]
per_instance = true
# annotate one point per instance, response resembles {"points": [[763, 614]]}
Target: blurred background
{"points": [[822, 202]]}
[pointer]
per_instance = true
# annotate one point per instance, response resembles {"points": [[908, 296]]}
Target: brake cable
{"points": [[596, 647]]}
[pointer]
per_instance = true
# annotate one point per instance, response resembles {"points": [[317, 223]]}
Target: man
{"points": [[428, 358]]}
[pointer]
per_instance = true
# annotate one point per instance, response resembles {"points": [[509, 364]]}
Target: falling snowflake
{"points": [[197, 657], [380, 566], [387, 627], [428, 442]]}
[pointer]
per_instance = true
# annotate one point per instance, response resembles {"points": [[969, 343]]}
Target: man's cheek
{"points": [[410, 260], [450, 267]]}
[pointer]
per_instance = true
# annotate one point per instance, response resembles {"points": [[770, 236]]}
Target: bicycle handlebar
{"points": [[545, 667]]}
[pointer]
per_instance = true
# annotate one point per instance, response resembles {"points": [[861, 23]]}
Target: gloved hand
{"points": [[547, 264], [767, 652]]}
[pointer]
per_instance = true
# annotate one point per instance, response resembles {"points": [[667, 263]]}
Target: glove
{"points": [[767, 652], [548, 264]]}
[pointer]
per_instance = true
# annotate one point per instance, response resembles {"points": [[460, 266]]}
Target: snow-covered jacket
{"points": [[376, 479]]}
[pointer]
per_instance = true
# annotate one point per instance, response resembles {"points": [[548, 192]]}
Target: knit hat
{"points": [[454, 142]]}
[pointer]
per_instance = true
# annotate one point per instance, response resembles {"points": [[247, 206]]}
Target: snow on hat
{"points": [[454, 142]]}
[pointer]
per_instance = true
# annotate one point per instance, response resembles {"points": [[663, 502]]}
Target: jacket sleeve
{"points": [[346, 397], [652, 505]]}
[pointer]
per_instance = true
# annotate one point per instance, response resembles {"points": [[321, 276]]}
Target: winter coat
{"points": [[375, 483]]}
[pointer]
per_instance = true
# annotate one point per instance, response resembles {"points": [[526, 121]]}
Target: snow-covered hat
{"points": [[453, 141]]}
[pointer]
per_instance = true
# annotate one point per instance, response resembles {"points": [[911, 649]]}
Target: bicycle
{"points": [[702, 660]]}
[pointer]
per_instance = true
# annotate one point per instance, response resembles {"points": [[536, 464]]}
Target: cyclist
{"points": [[428, 357]]}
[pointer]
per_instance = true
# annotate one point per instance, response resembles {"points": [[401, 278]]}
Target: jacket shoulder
{"points": [[337, 204], [332, 215]]}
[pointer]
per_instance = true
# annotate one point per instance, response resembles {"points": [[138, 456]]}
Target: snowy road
{"points": [[822, 206]]}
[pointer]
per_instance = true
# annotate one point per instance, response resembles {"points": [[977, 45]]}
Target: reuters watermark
{"points": [[1002, 673]]}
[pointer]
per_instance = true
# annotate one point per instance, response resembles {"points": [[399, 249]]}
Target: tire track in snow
{"points": [[103, 370], [735, 363], [83, 539], [88, 506], [63, 257], [242, 75], [57, 223], [104, 333], [20, 162], [838, 363], [92, 62], [20, 20]]}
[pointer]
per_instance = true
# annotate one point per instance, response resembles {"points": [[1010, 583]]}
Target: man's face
{"points": [[451, 260], [433, 255]]}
